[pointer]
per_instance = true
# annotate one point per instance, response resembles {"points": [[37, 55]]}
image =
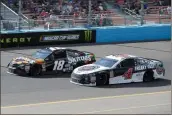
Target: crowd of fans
{"points": [[55, 11], [135, 5], [58, 9], [50, 8]]}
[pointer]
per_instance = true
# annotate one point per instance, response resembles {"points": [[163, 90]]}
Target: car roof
{"points": [[120, 56], [55, 48]]}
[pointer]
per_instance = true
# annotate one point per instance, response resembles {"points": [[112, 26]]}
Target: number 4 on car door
{"points": [[127, 65], [128, 74]]}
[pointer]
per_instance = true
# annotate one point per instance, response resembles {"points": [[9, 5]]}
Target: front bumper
{"points": [[16, 71], [81, 80]]}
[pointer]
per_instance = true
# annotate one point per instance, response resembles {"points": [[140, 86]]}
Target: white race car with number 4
{"points": [[120, 68]]}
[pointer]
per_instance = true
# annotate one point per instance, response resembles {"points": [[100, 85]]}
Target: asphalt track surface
{"points": [[56, 95]]}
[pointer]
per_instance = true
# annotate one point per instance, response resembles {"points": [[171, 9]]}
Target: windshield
{"points": [[106, 62], [42, 54]]}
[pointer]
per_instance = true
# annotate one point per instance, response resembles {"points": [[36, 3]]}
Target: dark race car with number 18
{"points": [[116, 69], [50, 60]]}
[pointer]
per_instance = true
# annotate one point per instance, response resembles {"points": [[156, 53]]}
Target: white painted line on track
{"points": [[129, 108], [85, 99]]}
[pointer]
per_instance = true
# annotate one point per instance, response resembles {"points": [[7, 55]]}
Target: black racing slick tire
{"points": [[35, 71], [148, 76], [102, 79]]}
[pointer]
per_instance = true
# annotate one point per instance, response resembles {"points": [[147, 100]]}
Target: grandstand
{"points": [[43, 14]]}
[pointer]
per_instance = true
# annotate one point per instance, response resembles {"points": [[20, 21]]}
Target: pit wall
{"points": [[120, 34], [133, 34]]}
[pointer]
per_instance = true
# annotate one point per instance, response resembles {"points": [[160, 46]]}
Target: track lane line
{"points": [[85, 99], [129, 108]]}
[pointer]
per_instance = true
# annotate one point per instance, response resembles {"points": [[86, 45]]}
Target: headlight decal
{"points": [[92, 77], [27, 68], [22, 66]]}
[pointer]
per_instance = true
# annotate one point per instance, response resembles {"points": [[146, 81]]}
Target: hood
{"points": [[90, 68], [26, 60]]}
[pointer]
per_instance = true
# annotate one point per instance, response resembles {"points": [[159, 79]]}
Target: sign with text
{"points": [[47, 38]]}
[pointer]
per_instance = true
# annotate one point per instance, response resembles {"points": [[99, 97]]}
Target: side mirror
{"points": [[46, 59], [117, 67]]}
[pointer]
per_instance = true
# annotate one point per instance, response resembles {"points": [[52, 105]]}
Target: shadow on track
{"points": [[47, 76], [157, 83]]}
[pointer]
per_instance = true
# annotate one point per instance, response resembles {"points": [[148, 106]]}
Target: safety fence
{"points": [[68, 21]]}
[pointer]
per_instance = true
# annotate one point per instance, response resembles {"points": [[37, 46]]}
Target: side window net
{"points": [[127, 63]]}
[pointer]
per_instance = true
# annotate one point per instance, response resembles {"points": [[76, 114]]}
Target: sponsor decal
{"points": [[88, 35], [81, 58], [88, 68], [46, 38], [15, 40], [139, 74], [145, 61], [144, 67], [22, 59], [43, 67], [122, 55]]}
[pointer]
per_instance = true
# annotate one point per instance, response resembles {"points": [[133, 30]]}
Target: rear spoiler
{"points": [[151, 59]]}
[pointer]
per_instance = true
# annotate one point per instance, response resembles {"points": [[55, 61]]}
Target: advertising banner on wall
{"points": [[47, 38]]}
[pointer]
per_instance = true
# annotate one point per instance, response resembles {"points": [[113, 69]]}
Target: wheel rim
{"points": [[103, 79], [148, 78], [38, 71], [35, 71]]}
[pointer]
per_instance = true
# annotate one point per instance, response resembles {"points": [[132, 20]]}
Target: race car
{"points": [[50, 60], [116, 69]]}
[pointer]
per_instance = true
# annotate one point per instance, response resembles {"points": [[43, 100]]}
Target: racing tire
{"points": [[35, 71], [148, 76], [102, 79]]}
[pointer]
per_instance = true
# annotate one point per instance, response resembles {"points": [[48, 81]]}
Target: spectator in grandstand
{"points": [[161, 2], [69, 7], [145, 5], [161, 11], [53, 16], [34, 17], [137, 7], [169, 9], [1, 18], [43, 14], [100, 7]]}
